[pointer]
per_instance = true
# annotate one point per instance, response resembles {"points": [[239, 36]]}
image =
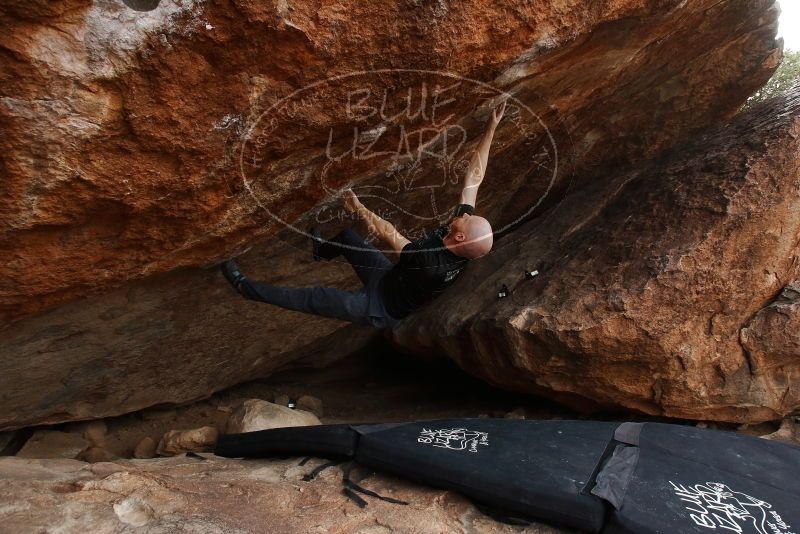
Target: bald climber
{"points": [[424, 268]]}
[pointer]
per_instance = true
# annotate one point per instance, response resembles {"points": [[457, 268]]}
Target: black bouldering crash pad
{"points": [[593, 476]]}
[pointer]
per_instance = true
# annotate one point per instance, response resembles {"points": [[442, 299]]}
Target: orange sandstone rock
{"points": [[669, 288], [139, 147]]}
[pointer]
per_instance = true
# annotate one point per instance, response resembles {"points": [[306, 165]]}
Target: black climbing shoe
{"points": [[230, 270], [316, 241]]}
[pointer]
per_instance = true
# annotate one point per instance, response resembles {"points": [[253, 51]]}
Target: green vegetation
{"points": [[787, 75]]}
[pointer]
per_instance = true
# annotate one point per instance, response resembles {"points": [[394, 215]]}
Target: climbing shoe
{"points": [[230, 270]]}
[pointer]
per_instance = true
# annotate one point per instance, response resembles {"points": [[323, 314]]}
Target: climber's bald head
{"points": [[470, 236]]}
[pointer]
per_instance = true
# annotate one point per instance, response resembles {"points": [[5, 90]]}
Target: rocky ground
{"points": [[105, 490], [121, 474], [208, 494]]}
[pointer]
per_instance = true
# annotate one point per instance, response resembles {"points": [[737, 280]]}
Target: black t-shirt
{"points": [[426, 267]]}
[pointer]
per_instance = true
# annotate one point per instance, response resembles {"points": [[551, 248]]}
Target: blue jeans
{"points": [[363, 306]]}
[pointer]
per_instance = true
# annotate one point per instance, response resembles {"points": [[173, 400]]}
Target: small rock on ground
{"points": [[200, 439], [311, 404], [146, 448], [257, 414]]}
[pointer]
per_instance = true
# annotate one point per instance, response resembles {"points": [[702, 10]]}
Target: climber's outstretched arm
{"points": [[383, 229], [477, 164]]}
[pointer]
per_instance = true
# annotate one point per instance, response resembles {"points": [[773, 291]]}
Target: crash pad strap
{"points": [[351, 487], [319, 469], [353, 496]]}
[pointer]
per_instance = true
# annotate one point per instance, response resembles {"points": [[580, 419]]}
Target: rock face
{"points": [[669, 289], [771, 339], [219, 495], [124, 129], [138, 147], [53, 444], [170, 338]]}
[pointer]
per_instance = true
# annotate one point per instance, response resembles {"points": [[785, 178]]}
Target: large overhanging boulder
{"points": [[123, 130], [139, 146], [172, 338], [670, 288]]}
